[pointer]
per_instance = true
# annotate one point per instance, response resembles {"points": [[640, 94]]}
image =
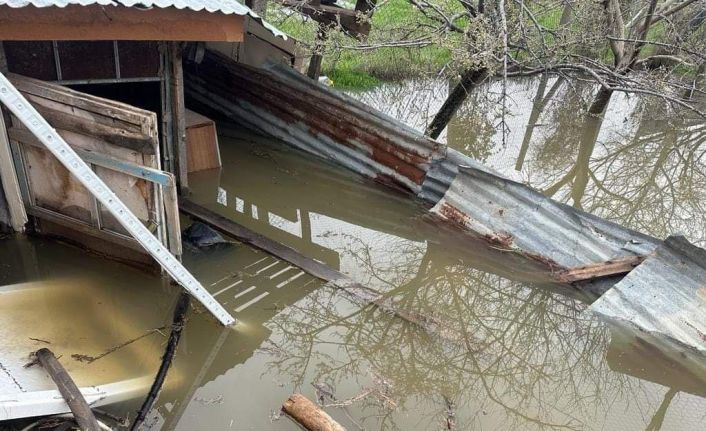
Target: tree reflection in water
{"points": [[511, 355], [641, 164], [525, 358]]}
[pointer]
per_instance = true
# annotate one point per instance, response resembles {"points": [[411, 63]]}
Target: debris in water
{"points": [[309, 415], [88, 359], [201, 235]]}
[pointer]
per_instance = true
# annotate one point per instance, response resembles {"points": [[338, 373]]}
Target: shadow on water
{"points": [[522, 354]]}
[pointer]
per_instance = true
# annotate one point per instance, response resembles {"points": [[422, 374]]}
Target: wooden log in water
{"points": [[83, 415], [309, 415]]}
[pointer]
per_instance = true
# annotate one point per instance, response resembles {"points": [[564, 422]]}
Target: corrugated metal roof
{"points": [[227, 7], [518, 218], [280, 102], [664, 296], [283, 103]]}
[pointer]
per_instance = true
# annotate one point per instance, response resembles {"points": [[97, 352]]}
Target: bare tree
{"points": [[653, 48]]}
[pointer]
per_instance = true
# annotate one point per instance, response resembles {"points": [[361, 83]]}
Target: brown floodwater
{"points": [[524, 354]]}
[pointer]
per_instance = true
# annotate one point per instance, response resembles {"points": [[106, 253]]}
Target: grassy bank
{"points": [[362, 69], [352, 64]]}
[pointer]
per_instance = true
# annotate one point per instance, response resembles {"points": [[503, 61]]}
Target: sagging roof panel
{"points": [[227, 7], [278, 101], [519, 219], [664, 296]]}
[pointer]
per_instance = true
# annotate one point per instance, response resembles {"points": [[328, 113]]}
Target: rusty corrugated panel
{"points": [[665, 296], [282, 103], [514, 217], [443, 172], [227, 7]]}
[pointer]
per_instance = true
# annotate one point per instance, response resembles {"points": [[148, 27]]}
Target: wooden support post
{"points": [[79, 407], [10, 184], [309, 415], [179, 116], [314, 70], [165, 130]]}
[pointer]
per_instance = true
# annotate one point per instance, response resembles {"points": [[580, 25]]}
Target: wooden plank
{"points": [[85, 228], [179, 117], [97, 22], [115, 110], [599, 270], [363, 294], [329, 15], [92, 127], [83, 415], [24, 136], [173, 222], [229, 227], [10, 184]]}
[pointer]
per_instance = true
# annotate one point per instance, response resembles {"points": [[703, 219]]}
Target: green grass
{"points": [[364, 69]]}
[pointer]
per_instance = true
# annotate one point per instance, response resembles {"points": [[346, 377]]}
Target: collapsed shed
{"points": [[95, 139], [114, 78]]}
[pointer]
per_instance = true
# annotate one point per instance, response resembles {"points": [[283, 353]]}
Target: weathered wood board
{"points": [[118, 133]]}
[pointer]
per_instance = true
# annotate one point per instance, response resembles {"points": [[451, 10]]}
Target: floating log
{"points": [[83, 415], [309, 415]]}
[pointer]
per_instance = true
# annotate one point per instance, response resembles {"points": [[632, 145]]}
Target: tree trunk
{"points": [[600, 102], [566, 13], [537, 106], [589, 136], [458, 95]]}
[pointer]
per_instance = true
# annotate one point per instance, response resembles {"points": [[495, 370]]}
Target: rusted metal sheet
{"points": [[518, 219], [277, 101], [442, 173], [664, 297], [227, 7], [280, 102]]}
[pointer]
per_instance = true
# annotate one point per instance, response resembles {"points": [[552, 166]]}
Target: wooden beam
{"points": [[331, 16], [599, 270], [430, 324], [179, 117], [97, 22], [10, 184], [83, 415], [314, 71]]}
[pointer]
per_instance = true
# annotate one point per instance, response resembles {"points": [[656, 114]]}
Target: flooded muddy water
{"points": [[642, 165], [516, 352]]}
